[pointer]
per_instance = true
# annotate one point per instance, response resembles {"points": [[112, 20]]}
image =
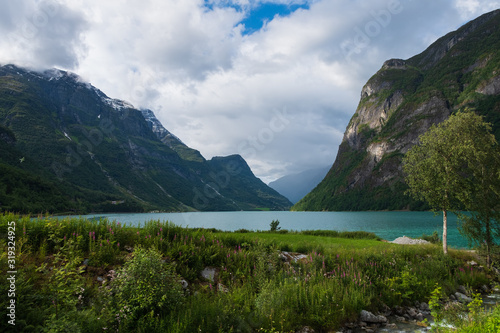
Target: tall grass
{"points": [[255, 288]]}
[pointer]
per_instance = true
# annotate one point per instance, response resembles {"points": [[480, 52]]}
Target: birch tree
{"points": [[446, 168]]}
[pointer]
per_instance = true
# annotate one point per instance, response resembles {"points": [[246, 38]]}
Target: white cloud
{"points": [[41, 34], [218, 89]]}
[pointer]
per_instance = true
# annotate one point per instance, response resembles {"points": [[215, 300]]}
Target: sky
{"points": [[275, 81]]}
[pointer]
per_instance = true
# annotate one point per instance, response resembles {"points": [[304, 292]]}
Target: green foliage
{"points": [[145, 285], [435, 304], [405, 286], [64, 288], [274, 226], [434, 238], [454, 166], [254, 288]]}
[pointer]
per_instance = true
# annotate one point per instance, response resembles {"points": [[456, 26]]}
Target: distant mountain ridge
{"points": [[67, 147], [296, 186], [398, 104]]}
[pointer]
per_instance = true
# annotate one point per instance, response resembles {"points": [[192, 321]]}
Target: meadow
{"points": [[92, 276]]}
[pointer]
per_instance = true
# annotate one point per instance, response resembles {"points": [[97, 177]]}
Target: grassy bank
{"points": [[89, 276]]}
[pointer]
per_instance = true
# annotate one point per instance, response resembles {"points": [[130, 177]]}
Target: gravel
{"points": [[409, 241]]}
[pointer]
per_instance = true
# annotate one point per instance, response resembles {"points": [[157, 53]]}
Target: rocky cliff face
{"points": [[398, 104]]}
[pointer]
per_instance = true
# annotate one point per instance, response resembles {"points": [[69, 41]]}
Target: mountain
{"points": [[398, 104], [296, 186], [67, 147]]}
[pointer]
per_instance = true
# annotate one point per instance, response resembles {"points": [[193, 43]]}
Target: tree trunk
{"points": [[489, 241], [445, 231]]}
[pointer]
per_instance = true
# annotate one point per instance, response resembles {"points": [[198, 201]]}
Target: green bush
{"points": [[146, 285]]}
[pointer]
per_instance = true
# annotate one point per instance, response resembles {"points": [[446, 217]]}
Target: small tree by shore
{"points": [[456, 166]]}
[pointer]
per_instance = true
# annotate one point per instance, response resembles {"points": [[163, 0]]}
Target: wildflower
{"points": [[137, 233], [118, 244]]}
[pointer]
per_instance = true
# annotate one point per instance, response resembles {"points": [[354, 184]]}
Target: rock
{"points": [[412, 312], [462, 290], [86, 262], [386, 310], [472, 263], [184, 284], [100, 279], [292, 256], [399, 310], [209, 273], [453, 306], [400, 319], [391, 326], [394, 64], [463, 298], [485, 288], [222, 288], [369, 317], [424, 306], [409, 241], [305, 329], [452, 297]]}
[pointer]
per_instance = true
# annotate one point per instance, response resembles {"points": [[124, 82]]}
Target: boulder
{"points": [[424, 306], [463, 298], [412, 312], [400, 319], [369, 317], [209, 273], [462, 290], [184, 284]]}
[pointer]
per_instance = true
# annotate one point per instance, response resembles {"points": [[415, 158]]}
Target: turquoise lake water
{"points": [[387, 225]]}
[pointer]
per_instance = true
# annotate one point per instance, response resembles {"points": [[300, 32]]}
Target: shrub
{"points": [[275, 225], [146, 285]]}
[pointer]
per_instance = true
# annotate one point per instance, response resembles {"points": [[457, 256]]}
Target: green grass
{"points": [[300, 242], [59, 262]]}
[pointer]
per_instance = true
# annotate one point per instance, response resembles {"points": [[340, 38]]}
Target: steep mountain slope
{"points": [[296, 186], [66, 146], [399, 103]]}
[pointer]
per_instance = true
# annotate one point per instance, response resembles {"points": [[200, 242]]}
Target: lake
{"points": [[386, 225]]}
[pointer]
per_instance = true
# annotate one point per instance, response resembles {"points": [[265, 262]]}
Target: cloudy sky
{"points": [[273, 80]]}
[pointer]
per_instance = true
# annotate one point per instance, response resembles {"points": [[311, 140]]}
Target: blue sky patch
{"points": [[266, 12], [258, 14]]}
